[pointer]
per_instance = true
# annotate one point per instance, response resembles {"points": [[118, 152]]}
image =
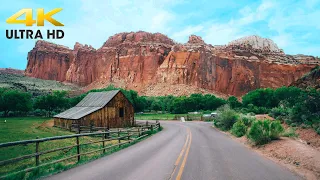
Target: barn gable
{"points": [[89, 104]]}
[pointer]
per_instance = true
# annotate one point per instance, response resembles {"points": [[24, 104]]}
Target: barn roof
{"points": [[89, 104]]}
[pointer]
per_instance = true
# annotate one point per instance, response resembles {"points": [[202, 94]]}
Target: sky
{"points": [[293, 25]]}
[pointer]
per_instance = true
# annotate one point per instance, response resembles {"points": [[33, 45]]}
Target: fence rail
{"points": [[125, 135]]}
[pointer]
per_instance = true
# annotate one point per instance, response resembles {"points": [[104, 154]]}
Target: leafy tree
{"points": [[13, 100], [289, 94], [233, 102], [260, 98], [55, 101]]}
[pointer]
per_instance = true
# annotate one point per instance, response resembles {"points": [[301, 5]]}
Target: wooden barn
{"points": [[110, 109]]}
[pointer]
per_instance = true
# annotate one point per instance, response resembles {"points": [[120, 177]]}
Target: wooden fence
{"points": [[125, 135]]}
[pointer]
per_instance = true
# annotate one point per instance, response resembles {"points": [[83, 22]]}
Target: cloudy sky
{"points": [[293, 25]]}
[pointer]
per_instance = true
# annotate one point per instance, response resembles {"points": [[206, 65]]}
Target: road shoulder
{"points": [[296, 156]]}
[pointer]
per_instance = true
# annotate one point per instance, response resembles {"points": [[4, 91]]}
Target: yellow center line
{"points": [[181, 153], [184, 159]]}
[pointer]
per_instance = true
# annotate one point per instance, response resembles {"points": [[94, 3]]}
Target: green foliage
{"points": [[195, 102], [288, 94], [262, 132], [233, 102], [289, 104], [275, 129], [281, 113], [259, 132], [226, 118], [13, 100], [57, 101], [247, 120], [239, 129], [260, 98]]}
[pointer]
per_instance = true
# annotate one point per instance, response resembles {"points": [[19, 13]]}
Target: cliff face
{"points": [[154, 65], [311, 79]]}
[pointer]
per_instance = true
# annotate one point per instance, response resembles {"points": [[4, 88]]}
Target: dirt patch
{"points": [[310, 137], [263, 117], [294, 154], [48, 123], [305, 159]]}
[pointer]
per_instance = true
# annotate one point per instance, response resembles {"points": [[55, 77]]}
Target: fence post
{"points": [[151, 128], [119, 141], [78, 128], [138, 132], [128, 135], [37, 152], [103, 138], [147, 123], [78, 148], [108, 134]]}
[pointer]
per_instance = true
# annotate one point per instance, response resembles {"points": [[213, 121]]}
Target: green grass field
{"points": [[16, 129]]}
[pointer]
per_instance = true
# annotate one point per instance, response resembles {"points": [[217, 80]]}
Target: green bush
{"points": [[279, 112], [226, 118], [262, 132], [239, 129], [259, 132], [275, 129], [247, 120]]}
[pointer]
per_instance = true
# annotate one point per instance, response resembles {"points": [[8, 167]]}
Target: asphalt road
{"points": [[183, 150]]}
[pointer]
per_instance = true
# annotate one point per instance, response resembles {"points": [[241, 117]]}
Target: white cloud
{"points": [[282, 40]]}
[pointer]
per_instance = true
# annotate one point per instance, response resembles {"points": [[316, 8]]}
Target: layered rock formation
{"points": [[153, 64]]}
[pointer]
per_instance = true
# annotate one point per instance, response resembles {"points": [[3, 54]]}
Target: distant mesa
{"points": [[153, 64], [256, 42]]}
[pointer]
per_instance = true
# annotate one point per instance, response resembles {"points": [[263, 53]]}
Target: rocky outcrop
{"points": [[257, 43], [311, 79], [150, 62]]}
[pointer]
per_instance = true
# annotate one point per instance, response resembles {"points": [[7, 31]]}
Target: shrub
{"points": [[239, 129], [226, 118], [247, 120], [278, 112], [275, 129], [259, 132]]}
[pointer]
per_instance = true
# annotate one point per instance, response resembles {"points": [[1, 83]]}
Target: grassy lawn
{"points": [[16, 129], [151, 116], [22, 128]]}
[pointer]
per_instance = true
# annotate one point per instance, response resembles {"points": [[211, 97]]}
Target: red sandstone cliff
{"points": [[154, 65]]}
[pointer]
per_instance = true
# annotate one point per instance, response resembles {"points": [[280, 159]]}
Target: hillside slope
{"points": [[33, 85], [311, 79]]}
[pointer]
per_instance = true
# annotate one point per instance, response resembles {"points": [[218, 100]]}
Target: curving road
{"points": [[183, 150]]}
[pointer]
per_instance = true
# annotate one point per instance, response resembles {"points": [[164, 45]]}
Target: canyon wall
{"points": [[153, 64]]}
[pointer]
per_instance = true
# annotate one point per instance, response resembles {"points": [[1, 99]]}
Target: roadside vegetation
{"points": [[290, 105], [26, 128]]}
